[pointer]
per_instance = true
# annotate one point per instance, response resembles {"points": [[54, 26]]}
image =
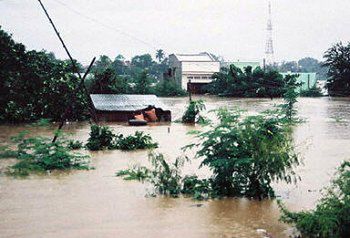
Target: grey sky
{"points": [[234, 29]]}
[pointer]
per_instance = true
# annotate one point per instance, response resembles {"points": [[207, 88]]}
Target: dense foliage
{"points": [[133, 142], [75, 144], [168, 88], [290, 97], [35, 85], [142, 76], [191, 114], [39, 154], [312, 92], [234, 82], [247, 154], [163, 175], [338, 61], [331, 217], [102, 137]]}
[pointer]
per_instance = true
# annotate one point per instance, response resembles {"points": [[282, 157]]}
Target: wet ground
{"points": [[95, 203]]}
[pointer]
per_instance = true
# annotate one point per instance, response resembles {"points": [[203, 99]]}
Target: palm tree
{"points": [[160, 55]]}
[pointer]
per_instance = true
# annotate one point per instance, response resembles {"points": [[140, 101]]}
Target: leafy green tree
{"points": [[290, 96], [247, 83], [101, 64], [160, 55], [247, 154], [35, 84], [142, 61], [108, 82], [331, 217], [288, 66], [119, 65], [168, 88], [338, 61], [143, 84], [191, 114]]}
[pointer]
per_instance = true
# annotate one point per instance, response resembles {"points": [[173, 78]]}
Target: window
{"points": [[190, 77], [205, 77], [197, 77]]}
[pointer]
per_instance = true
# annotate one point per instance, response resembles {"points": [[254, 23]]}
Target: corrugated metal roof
{"points": [[194, 57], [125, 102]]}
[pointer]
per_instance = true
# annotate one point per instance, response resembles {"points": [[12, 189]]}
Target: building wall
{"points": [[308, 80], [197, 71]]}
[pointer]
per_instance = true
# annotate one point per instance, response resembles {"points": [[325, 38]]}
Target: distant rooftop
{"points": [[125, 102], [204, 57]]}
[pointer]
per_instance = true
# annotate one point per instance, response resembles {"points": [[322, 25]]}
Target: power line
{"points": [[96, 21]]}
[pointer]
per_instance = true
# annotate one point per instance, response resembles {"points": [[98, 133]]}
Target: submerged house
{"points": [[124, 107], [194, 68]]}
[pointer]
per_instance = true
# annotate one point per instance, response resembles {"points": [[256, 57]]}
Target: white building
{"points": [[197, 68]]}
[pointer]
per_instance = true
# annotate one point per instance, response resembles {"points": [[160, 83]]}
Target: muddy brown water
{"points": [[95, 203]]}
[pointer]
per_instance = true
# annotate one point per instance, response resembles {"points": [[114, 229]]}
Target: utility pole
{"points": [[81, 85], [189, 87]]}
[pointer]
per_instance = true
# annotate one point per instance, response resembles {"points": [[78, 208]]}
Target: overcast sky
{"points": [[234, 29]]}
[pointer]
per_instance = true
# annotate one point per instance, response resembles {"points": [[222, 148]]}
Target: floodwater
{"points": [[95, 203]]}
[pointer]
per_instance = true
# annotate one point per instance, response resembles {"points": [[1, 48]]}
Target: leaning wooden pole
{"points": [[81, 85]]}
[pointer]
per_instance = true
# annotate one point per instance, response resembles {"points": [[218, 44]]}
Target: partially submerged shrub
{"points": [[198, 188], [39, 154], [133, 142], [311, 92], [166, 178], [75, 144], [6, 153], [247, 154], [290, 97], [102, 137], [191, 114], [137, 172], [331, 217]]}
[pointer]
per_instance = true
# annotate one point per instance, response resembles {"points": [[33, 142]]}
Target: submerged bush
{"points": [[167, 179], [75, 144], [198, 188], [191, 114], [137, 172], [102, 137], [39, 154], [6, 153], [133, 142], [290, 97], [311, 92], [331, 217], [165, 176], [247, 154]]}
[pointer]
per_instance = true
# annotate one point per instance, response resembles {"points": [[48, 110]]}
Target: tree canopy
{"points": [[247, 83], [35, 84], [338, 61]]}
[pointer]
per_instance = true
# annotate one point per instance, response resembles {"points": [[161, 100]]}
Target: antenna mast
{"points": [[269, 53]]}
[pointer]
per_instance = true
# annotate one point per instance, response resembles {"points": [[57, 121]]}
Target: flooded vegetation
{"points": [[95, 202]]}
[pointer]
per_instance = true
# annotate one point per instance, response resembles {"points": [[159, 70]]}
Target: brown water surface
{"points": [[95, 203]]}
